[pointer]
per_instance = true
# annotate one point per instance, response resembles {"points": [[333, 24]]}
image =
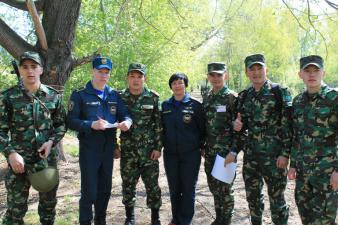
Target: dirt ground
{"points": [[68, 197]]}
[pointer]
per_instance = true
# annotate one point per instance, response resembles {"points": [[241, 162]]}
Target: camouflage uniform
{"points": [[30, 120], [219, 113], [267, 121], [137, 143], [314, 155]]}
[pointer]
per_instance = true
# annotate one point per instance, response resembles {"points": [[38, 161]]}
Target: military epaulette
{"points": [[79, 89], [234, 93], [8, 90], [243, 92], [196, 99], [53, 89], [155, 93]]}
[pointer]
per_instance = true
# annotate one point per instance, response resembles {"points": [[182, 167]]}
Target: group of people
{"points": [[280, 138]]}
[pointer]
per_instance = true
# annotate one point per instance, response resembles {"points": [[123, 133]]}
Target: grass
{"points": [[72, 150]]}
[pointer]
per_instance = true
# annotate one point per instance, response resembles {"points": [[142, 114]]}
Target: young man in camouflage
{"points": [[314, 156], [141, 145], [264, 111], [219, 112], [32, 122]]}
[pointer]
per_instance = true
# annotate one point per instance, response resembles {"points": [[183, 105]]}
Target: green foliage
{"points": [[177, 35]]}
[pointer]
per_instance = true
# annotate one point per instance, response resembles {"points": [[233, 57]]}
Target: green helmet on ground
{"points": [[44, 180]]}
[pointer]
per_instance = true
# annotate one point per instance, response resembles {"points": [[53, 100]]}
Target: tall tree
{"points": [[59, 20]]}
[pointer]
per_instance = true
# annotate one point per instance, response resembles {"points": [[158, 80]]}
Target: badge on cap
{"points": [[104, 61]]}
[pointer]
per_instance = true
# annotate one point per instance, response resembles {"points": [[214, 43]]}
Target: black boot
{"points": [[256, 221], [85, 222], [155, 217], [130, 216], [100, 221], [217, 221]]}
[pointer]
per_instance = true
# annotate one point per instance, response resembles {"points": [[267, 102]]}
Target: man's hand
{"points": [[155, 155], [237, 124], [16, 162], [117, 153], [124, 126], [99, 124], [334, 180], [44, 150], [292, 174], [229, 158], [282, 162]]}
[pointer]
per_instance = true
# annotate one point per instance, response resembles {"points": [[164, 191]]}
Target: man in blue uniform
{"points": [[184, 127], [94, 111]]}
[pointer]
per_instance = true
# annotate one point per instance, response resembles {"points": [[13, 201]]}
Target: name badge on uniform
{"points": [[93, 103], [147, 107], [221, 108], [166, 112]]}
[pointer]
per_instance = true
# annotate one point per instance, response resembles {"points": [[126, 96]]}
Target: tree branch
{"points": [[12, 42], [37, 24], [176, 10], [207, 38], [150, 24], [85, 59], [22, 5], [333, 5], [294, 16], [315, 29]]}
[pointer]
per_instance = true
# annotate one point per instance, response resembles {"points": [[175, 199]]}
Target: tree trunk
{"points": [[59, 21]]}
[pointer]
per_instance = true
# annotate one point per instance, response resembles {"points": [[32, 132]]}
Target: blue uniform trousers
{"points": [[182, 174], [96, 182]]}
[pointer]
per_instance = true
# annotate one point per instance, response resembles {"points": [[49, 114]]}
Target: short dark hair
{"points": [[178, 76]]}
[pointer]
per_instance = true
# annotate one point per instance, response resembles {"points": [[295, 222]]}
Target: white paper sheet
{"points": [[224, 174], [110, 125]]}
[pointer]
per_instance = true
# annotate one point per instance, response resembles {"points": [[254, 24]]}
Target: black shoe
{"points": [[100, 221], [130, 216], [155, 217], [85, 222]]}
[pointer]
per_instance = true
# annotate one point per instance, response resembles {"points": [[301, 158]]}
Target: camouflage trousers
{"points": [[132, 168], [222, 192], [256, 169], [316, 201], [18, 186]]}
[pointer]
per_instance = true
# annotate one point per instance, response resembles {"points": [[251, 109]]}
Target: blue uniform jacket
{"points": [[85, 107], [183, 125]]}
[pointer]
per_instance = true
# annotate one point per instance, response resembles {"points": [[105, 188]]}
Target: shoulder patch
{"points": [[155, 93]]}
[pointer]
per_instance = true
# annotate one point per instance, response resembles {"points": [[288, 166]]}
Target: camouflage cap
{"points": [[315, 60], [137, 67], [254, 59], [32, 56], [102, 62], [217, 67]]}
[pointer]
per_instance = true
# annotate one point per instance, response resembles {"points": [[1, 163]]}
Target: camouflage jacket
{"points": [[27, 121], [219, 113], [146, 131], [315, 124], [266, 115]]}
